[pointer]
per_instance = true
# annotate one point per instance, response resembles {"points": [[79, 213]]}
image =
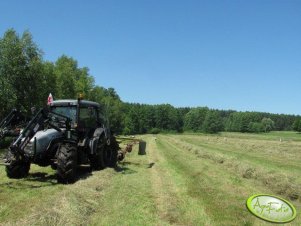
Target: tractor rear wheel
{"points": [[66, 163], [97, 161], [16, 167], [111, 152]]}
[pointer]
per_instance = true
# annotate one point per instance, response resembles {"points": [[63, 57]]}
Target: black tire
{"points": [[111, 152], [17, 168], [97, 160], [66, 164]]}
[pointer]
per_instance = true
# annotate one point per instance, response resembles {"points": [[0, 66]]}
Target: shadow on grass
{"points": [[123, 168], [123, 163], [83, 172], [42, 179], [24, 184], [151, 165]]}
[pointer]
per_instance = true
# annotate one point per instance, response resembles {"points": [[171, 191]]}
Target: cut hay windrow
{"points": [[279, 182]]}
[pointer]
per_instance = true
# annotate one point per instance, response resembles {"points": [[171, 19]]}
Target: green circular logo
{"points": [[271, 208]]}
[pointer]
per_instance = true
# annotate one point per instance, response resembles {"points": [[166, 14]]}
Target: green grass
{"points": [[274, 135], [188, 179]]}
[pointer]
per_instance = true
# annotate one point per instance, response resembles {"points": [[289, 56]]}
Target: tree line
{"points": [[155, 118], [26, 79]]}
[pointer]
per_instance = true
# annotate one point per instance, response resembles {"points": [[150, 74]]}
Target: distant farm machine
{"points": [[10, 126], [64, 135]]}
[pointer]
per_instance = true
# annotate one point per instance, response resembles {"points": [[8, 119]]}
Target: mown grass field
{"points": [[188, 179]]}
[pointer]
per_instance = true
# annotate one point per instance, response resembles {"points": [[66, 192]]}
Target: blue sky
{"points": [[241, 55]]}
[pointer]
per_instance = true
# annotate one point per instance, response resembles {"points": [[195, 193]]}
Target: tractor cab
{"points": [[83, 114]]}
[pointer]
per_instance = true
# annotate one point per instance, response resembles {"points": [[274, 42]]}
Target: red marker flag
{"points": [[50, 99]]}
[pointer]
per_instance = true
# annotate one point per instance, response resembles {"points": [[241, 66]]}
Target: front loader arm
{"points": [[36, 124]]}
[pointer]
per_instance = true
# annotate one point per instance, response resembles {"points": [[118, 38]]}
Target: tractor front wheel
{"points": [[16, 168], [66, 163]]}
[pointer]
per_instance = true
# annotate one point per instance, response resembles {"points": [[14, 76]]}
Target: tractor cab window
{"points": [[101, 118], [87, 117], [68, 111]]}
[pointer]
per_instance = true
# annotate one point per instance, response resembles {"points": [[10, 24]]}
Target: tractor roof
{"points": [[84, 103]]}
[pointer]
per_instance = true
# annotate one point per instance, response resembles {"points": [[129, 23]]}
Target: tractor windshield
{"points": [[68, 111]]}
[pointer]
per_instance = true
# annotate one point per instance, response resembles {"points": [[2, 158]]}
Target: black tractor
{"points": [[66, 134]]}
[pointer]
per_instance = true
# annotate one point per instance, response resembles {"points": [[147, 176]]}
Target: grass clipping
{"points": [[73, 206], [278, 182]]}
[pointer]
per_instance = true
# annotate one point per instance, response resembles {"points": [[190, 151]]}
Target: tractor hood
{"points": [[43, 139]]}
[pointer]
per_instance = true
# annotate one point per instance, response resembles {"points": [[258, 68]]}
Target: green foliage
{"points": [[26, 80], [72, 80], [142, 118], [255, 127], [268, 124], [20, 71], [297, 125], [203, 119], [7, 96], [49, 82], [212, 122], [254, 122], [112, 105], [166, 117], [240, 121], [132, 122], [154, 131], [195, 118]]}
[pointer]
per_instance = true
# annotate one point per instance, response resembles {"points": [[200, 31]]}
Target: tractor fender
{"points": [[94, 140]]}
